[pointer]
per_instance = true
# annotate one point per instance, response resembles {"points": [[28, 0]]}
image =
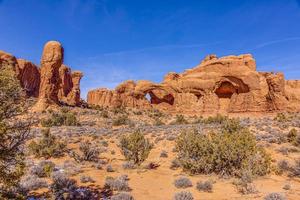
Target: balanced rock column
{"points": [[74, 95], [51, 61]]}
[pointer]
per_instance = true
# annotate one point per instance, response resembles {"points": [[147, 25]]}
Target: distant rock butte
{"points": [[228, 84], [53, 83]]}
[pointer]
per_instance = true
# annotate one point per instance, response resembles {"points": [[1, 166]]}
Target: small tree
{"points": [[13, 131], [135, 147]]}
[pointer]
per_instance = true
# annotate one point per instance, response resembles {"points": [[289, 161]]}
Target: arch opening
{"points": [[155, 98]]}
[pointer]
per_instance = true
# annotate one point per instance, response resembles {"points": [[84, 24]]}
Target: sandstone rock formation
{"points": [[226, 84], [29, 76], [53, 83], [52, 59]]}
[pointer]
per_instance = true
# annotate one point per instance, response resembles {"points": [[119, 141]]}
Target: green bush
{"points": [[224, 153], [135, 147], [60, 119], [48, 146]]}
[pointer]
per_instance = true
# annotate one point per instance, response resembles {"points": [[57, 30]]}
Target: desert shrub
{"points": [[122, 196], [281, 117], [119, 110], [90, 151], [197, 120], [231, 126], [43, 169], [183, 195], [48, 146], [158, 122], [223, 153], [13, 132], [175, 164], [171, 137], [86, 179], [180, 119], [183, 182], [121, 120], [135, 147], [60, 119], [155, 113], [218, 119], [245, 185], [163, 154], [275, 196], [104, 114], [62, 185], [32, 182], [295, 169], [292, 135], [71, 168], [246, 188], [282, 166], [287, 186], [109, 168], [104, 143], [138, 112], [151, 165], [118, 184], [205, 186], [128, 165]]}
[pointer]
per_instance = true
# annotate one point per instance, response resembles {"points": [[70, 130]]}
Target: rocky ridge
{"points": [[229, 84]]}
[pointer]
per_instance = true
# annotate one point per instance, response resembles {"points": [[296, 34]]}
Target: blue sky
{"points": [[115, 40]]}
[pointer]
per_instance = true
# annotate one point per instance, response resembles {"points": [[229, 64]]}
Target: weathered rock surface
{"points": [[53, 83], [52, 59], [226, 84], [29, 76]]}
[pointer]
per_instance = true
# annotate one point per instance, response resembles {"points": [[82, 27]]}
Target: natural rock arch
{"points": [[158, 96], [227, 86]]}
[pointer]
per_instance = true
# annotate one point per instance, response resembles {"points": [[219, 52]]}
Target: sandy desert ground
{"points": [[145, 183]]}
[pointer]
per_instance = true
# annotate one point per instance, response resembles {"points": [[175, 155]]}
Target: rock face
{"points": [[228, 84], [53, 83], [29, 76]]}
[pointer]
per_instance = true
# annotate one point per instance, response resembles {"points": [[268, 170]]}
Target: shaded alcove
{"points": [[225, 90], [229, 86]]}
